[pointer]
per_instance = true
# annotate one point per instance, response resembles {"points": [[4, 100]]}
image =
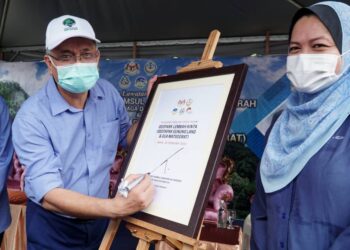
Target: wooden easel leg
{"points": [[110, 234], [188, 247], [145, 236], [174, 243], [22, 228], [143, 245]]}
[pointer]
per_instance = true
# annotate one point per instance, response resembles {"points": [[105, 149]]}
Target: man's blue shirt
{"points": [[65, 147], [6, 153]]}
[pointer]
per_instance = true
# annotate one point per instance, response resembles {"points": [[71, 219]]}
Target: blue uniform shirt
{"points": [[6, 153], [65, 147], [313, 211]]}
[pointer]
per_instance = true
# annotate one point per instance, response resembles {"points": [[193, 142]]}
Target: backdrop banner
{"points": [[264, 91]]}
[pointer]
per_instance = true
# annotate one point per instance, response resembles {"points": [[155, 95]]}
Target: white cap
{"points": [[64, 27]]}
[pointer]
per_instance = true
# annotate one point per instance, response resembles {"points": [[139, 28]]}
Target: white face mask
{"points": [[310, 73]]}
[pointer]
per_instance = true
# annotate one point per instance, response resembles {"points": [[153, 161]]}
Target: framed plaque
{"points": [[180, 140]]}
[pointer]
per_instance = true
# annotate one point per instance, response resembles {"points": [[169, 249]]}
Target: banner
{"points": [[264, 91]]}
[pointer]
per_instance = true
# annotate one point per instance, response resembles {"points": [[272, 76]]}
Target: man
{"points": [[67, 135], [6, 152]]}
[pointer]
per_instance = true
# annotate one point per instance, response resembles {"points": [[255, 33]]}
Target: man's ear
{"points": [[48, 64], [98, 56], [98, 59]]}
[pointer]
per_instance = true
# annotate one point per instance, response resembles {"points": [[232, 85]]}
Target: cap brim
{"points": [[58, 42]]}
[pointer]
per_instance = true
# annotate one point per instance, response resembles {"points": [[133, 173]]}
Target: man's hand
{"points": [[82, 206], [138, 198]]}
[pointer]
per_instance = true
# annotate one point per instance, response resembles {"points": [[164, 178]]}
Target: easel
{"points": [[144, 231], [206, 61]]}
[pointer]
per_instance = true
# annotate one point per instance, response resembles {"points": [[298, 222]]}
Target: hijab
{"points": [[309, 120]]}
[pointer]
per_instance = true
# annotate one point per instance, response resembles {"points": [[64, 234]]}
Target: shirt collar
{"points": [[96, 92], [59, 104]]}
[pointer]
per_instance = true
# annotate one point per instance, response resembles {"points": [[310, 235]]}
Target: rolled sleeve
{"points": [[37, 187], [35, 151]]}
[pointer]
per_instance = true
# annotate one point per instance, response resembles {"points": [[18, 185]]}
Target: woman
{"points": [[303, 188]]}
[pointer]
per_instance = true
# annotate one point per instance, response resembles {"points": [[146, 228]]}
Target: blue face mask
{"points": [[78, 77]]}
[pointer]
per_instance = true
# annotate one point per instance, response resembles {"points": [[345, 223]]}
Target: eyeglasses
{"points": [[71, 58]]}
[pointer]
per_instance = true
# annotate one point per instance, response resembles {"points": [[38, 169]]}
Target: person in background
{"points": [[302, 199], [6, 153], [66, 136]]}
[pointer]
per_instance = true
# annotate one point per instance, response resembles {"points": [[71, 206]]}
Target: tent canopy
{"points": [[159, 27]]}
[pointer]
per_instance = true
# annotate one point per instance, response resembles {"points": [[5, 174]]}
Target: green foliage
{"points": [[13, 95], [242, 177]]}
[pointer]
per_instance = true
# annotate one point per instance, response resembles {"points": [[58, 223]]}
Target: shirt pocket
{"points": [[109, 136]]}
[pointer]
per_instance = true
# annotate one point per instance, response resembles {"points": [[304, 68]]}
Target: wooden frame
{"points": [[191, 81]]}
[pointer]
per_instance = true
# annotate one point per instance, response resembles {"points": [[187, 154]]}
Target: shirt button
{"points": [[282, 244], [88, 134], [284, 215]]}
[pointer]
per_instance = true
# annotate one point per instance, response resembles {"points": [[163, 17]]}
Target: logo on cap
{"points": [[69, 23]]}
